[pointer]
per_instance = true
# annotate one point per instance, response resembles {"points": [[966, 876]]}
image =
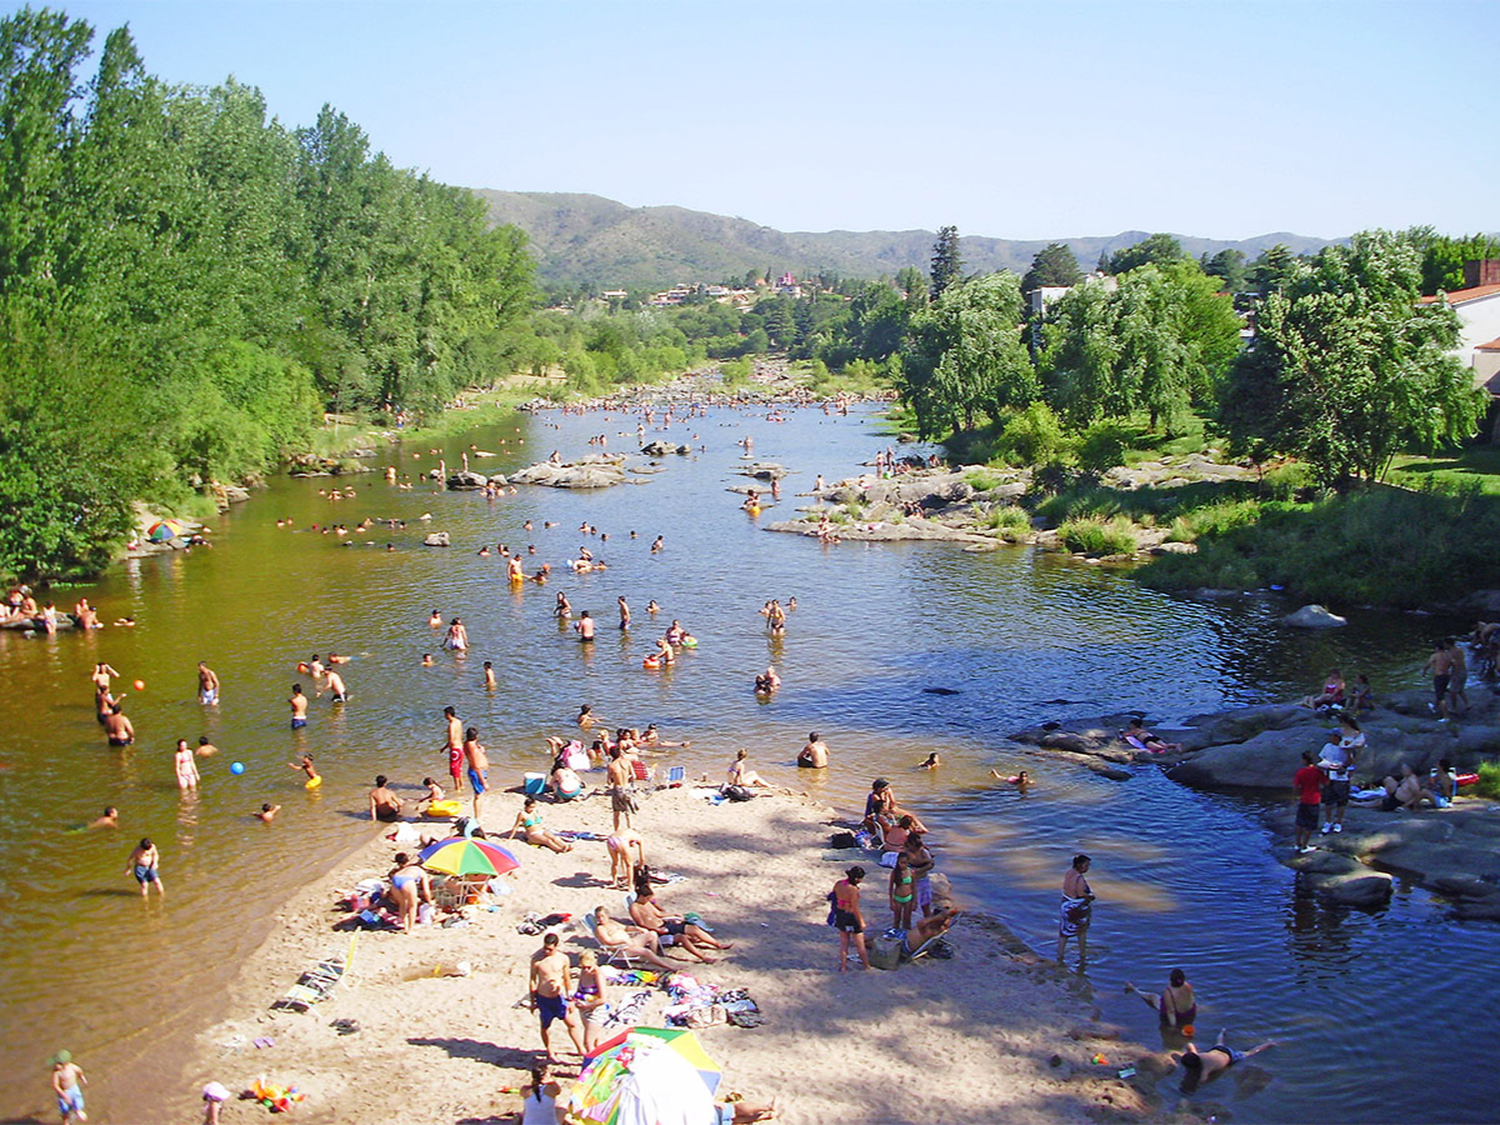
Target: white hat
{"points": [[215, 1092]]}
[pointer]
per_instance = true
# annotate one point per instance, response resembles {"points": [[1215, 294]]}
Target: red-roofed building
{"points": [[1478, 309]]}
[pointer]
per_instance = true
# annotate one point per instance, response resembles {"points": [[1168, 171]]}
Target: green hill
{"points": [[589, 239]]}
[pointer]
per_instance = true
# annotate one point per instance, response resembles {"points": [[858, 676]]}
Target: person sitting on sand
{"points": [[1332, 694], [635, 943], [741, 775], [1202, 1066], [672, 931], [566, 785], [267, 813], [1175, 1005], [529, 824], [1136, 731], [881, 810], [539, 1099], [434, 792], [895, 840], [1021, 781], [1407, 793]]}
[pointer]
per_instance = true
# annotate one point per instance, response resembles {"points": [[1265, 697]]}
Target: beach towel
{"points": [[628, 1013], [1073, 916]]}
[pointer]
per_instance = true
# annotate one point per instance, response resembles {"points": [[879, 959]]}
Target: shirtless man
{"points": [[551, 986], [143, 864], [208, 685], [672, 930], [206, 748], [336, 687], [298, 703], [489, 676], [455, 748], [384, 805], [479, 766], [639, 944], [1458, 680], [1440, 664], [624, 614], [117, 728], [267, 813], [618, 776], [814, 755], [101, 677], [1218, 1057], [110, 818], [585, 626]]}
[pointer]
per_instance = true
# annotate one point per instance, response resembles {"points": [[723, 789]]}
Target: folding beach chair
{"points": [[616, 955], [676, 774]]}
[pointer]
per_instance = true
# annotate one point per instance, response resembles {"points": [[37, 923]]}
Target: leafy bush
{"points": [[1102, 447], [1008, 519], [1098, 537], [1214, 519], [1488, 784], [981, 481], [735, 373], [1034, 436]]}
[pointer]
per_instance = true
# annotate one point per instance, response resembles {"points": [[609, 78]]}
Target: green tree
{"points": [[1347, 368], [1157, 249], [1228, 265], [1272, 269], [1053, 265], [1443, 260], [947, 264], [964, 358], [913, 284]]}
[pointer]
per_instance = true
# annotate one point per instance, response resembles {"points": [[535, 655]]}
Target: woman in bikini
{"points": [[590, 999], [848, 919], [903, 892], [409, 885], [1175, 1005], [529, 823]]}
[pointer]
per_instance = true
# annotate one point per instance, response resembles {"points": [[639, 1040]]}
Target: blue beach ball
{"points": [[237, 769]]}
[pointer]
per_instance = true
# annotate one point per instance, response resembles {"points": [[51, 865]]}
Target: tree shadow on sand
{"points": [[479, 1051]]}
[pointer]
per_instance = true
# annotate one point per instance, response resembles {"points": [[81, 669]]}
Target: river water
{"points": [[1184, 878]]}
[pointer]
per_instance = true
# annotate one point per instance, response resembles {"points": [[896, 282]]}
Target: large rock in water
{"points": [[436, 539], [467, 481], [595, 471], [661, 448], [1313, 617]]}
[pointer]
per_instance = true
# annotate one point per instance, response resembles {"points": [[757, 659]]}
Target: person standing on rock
{"points": [[1440, 664], [1307, 784], [1458, 679], [1077, 909], [1337, 762]]}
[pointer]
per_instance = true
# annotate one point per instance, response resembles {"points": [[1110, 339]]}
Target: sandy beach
{"points": [[982, 1037]]}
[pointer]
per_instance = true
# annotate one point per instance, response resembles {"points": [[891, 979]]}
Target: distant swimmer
{"points": [[658, 545], [585, 717], [208, 685], [767, 682], [814, 755], [436, 620], [932, 762], [1203, 1066], [624, 613], [585, 626], [267, 813], [298, 703], [110, 818], [457, 639], [651, 606], [1021, 781], [427, 660], [564, 608], [489, 675]]}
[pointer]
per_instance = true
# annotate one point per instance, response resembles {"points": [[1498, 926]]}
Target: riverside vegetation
{"points": [[188, 288]]}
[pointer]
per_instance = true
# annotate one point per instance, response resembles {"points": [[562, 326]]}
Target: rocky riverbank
{"points": [[1454, 852]]}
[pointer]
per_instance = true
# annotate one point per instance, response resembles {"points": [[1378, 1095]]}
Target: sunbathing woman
{"points": [[925, 929], [1332, 694], [1136, 732], [529, 823], [740, 775]]}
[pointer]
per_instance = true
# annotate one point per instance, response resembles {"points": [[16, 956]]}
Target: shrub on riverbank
{"points": [[1380, 546], [1007, 519], [1095, 536]]}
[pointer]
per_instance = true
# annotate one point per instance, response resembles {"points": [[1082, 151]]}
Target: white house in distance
{"points": [[1478, 307]]}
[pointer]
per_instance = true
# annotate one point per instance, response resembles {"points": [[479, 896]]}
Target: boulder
{"points": [[436, 539], [1324, 862], [596, 471], [1266, 761], [1313, 617], [1365, 889], [467, 481], [659, 448], [1243, 723]]}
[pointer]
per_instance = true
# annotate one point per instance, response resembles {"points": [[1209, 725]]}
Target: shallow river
{"points": [[1183, 878]]}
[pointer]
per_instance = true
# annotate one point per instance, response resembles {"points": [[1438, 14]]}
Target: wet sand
{"points": [[979, 1038]]}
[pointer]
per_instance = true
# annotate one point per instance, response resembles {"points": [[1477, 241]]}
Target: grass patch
{"points": [[1008, 520], [1214, 519], [1488, 784], [1093, 536], [981, 481], [1477, 465]]}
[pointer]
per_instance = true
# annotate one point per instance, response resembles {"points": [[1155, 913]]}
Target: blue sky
{"points": [[1034, 120]]}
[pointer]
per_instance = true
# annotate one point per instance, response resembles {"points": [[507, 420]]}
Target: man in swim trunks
{"points": [[1218, 1057], [585, 626], [455, 747], [336, 687], [1440, 664], [479, 766], [619, 775], [143, 864], [384, 805], [551, 985], [298, 703], [117, 728], [1307, 783], [814, 755], [208, 685], [671, 929]]}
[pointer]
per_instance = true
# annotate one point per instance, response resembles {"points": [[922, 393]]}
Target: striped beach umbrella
{"points": [[464, 855], [646, 1076], [162, 530]]}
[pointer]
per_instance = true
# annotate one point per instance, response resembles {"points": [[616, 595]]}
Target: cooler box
{"points": [[536, 784]]}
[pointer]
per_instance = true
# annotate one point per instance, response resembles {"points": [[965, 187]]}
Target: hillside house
{"points": [[1478, 307]]}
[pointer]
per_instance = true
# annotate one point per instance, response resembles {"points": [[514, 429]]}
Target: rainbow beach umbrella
{"points": [[646, 1076], [162, 530], [464, 855]]}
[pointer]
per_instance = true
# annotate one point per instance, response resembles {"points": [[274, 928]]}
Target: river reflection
{"points": [[1018, 637]]}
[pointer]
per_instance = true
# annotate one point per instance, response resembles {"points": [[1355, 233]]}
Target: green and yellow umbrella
{"points": [[463, 855]]}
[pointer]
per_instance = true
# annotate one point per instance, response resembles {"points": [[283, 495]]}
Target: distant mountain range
{"points": [[596, 241]]}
